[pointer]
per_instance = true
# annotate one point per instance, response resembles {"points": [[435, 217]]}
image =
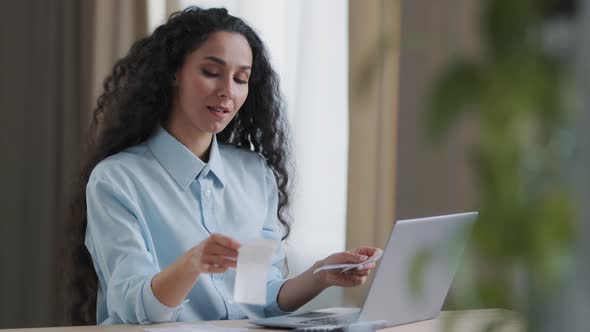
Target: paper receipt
{"points": [[346, 267], [254, 260]]}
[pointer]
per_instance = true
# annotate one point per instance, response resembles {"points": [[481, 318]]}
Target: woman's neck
{"points": [[198, 142]]}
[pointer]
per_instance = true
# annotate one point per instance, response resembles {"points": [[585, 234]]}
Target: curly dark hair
{"points": [[137, 99]]}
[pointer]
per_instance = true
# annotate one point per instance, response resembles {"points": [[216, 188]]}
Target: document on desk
{"points": [[254, 260], [194, 328]]}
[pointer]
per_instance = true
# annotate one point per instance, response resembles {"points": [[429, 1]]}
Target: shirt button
{"points": [[230, 301], [208, 193]]}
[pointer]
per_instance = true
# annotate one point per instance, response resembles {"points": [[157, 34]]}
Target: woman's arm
{"points": [[214, 255], [298, 291]]}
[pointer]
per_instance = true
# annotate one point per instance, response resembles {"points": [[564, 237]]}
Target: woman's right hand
{"points": [[215, 254]]}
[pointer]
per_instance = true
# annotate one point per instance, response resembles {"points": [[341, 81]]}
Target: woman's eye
{"points": [[208, 73], [240, 81]]}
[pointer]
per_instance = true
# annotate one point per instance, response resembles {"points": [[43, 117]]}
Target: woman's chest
{"points": [[181, 219]]}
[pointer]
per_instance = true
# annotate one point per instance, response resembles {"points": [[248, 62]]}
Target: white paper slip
{"points": [[347, 267], [194, 328], [254, 259]]}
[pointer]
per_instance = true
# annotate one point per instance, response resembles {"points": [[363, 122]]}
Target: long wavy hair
{"points": [[137, 98]]}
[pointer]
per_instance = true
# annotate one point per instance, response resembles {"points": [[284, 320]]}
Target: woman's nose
{"points": [[226, 89]]}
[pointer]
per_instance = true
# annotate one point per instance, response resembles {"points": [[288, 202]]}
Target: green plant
{"points": [[519, 95]]}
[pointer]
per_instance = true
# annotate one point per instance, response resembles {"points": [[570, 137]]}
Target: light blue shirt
{"points": [[149, 204]]}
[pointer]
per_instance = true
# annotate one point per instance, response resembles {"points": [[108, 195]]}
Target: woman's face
{"points": [[212, 84]]}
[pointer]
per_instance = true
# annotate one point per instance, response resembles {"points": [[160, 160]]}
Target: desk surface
{"points": [[462, 321]]}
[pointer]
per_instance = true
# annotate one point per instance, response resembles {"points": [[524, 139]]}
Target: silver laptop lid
{"points": [[417, 268]]}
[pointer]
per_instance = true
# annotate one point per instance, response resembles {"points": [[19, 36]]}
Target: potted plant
{"points": [[520, 94]]}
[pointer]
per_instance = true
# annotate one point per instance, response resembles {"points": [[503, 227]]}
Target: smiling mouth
{"points": [[218, 110]]}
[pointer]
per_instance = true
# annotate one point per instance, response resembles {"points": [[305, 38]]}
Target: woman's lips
{"points": [[219, 108], [218, 112]]}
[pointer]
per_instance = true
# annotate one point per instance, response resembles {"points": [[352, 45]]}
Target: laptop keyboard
{"points": [[327, 321]]}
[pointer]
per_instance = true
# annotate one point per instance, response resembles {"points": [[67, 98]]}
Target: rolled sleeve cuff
{"points": [[272, 291], [157, 312]]}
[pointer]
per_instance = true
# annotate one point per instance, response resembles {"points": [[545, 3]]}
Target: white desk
{"points": [[464, 321]]}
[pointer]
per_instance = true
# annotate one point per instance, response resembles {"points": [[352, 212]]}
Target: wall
{"points": [[432, 179]]}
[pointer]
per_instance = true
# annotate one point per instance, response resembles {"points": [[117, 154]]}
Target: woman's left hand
{"points": [[350, 278]]}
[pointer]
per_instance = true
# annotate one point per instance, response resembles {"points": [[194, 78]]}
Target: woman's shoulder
{"points": [[238, 156], [246, 165], [120, 166]]}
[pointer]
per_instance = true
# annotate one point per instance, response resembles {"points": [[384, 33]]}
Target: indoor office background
{"points": [[356, 75]]}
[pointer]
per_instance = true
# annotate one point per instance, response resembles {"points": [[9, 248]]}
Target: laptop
{"points": [[411, 281]]}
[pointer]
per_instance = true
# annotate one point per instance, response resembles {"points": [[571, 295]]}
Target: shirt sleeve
{"points": [[119, 244], [271, 230]]}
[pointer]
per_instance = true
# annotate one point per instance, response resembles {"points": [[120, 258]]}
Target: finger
{"points": [[219, 260], [338, 280], [368, 266], [226, 241], [219, 250], [354, 280], [213, 268], [368, 251], [344, 280], [359, 272], [358, 280], [376, 251], [347, 257]]}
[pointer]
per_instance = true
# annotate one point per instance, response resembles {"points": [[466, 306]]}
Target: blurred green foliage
{"points": [[518, 94]]}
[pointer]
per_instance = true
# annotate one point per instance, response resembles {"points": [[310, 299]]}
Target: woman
{"points": [[188, 158]]}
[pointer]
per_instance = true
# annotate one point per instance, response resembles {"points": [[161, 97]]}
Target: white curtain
{"points": [[308, 43]]}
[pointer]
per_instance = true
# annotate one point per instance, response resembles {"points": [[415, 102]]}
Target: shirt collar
{"points": [[216, 162], [182, 165]]}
